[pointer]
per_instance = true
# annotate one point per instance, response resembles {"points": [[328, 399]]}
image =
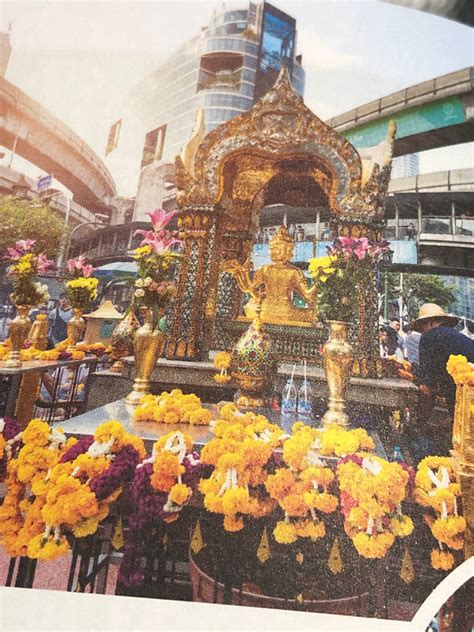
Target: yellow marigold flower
{"points": [[232, 523], [37, 432], [180, 494], [294, 505], [85, 527], [221, 378], [401, 526], [235, 500], [213, 502], [285, 533], [373, 546], [442, 560], [222, 360]]}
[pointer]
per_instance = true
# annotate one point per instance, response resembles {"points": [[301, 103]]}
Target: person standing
{"points": [[58, 319], [411, 347], [438, 341]]}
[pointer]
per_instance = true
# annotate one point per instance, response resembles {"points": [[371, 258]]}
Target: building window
{"points": [[113, 138], [153, 147]]}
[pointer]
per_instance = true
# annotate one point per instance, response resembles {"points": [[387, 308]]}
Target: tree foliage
{"points": [[419, 289], [30, 219]]}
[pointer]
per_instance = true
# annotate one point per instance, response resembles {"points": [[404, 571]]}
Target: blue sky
{"points": [[78, 59]]}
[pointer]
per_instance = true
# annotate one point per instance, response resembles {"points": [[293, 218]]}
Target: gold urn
{"points": [[75, 328], [148, 345], [19, 330], [338, 357]]}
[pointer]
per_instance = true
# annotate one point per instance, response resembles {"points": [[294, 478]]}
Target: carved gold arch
{"points": [[279, 127]]}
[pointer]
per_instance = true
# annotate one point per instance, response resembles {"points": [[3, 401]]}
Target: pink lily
{"points": [[44, 263], [160, 218], [76, 264], [162, 245], [87, 271], [13, 254], [25, 245], [361, 248]]}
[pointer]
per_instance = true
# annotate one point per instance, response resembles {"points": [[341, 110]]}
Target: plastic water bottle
{"points": [[397, 454], [305, 400], [290, 398]]}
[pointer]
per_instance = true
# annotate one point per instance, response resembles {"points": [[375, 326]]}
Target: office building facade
{"points": [[229, 65]]}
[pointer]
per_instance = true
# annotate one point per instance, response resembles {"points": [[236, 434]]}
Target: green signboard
{"points": [[416, 120]]}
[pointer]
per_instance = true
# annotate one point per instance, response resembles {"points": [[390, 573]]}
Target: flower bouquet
{"points": [[338, 276], [154, 289], [23, 268], [161, 487], [81, 291], [155, 260]]}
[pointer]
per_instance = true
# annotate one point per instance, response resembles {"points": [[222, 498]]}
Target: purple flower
{"points": [[78, 448], [120, 471]]}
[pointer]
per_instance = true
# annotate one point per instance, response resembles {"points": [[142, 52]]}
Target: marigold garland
{"points": [[372, 491], [241, 453], [460, 370], [173, 408], [303, 488], [56, 486], [438, 489], [162, 485]]}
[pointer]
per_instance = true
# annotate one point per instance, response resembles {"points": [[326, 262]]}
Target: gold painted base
{"points": [[140, 389], [335, 414]]}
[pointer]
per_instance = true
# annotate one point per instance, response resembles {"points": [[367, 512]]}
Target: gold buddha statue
{"points": [[280, 280]]}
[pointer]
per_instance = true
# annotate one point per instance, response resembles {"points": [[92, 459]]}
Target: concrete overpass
{"points": [[434, 113], [41, 138]]}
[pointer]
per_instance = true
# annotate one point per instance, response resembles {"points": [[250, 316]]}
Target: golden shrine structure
{"points": [[278, 152]]}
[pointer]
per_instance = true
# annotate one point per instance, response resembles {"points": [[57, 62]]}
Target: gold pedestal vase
{"points": [[147, 345], [75, 328], [252, 365], [338, 357], [19, 330], [38, 334]]}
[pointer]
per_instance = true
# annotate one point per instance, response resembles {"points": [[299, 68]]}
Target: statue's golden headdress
{"points": [[283, 236]]}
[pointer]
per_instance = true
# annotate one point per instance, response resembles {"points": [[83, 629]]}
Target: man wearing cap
{"points": [[438, 341]]}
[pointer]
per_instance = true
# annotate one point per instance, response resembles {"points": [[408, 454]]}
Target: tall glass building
{"points": [[223, 70]]}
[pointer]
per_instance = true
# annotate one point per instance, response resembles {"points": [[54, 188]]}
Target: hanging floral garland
{"points": [[371, 492], [56, 487], [222, 362], [20, 513], [162, 485], [438, 489], [302, 488], [172, 408], [240, 452]]}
